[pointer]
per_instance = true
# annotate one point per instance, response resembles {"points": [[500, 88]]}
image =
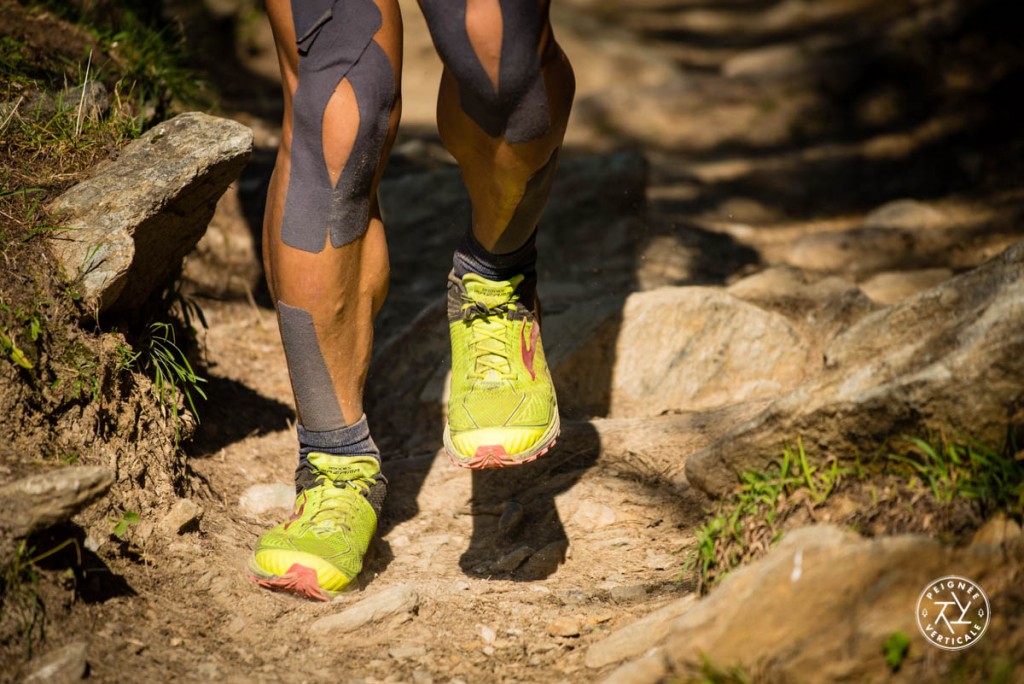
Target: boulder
{"points": [[819, 309], [128, 227], [675, 349], [900, 369], [43, 500], [821, 604]]}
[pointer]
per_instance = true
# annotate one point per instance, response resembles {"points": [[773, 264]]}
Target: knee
{"points": [[495, 62]]}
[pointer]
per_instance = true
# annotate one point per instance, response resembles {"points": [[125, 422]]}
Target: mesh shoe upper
{"points": [[331, 525], [502, 396]]}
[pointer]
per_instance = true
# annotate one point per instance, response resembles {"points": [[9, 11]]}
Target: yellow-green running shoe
{"points": [[319, 550], [502, 409]]}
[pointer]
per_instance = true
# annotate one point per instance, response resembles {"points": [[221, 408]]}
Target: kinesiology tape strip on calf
{"points": [[518, 109], [311, 380], [335, 42], [531, 205]]}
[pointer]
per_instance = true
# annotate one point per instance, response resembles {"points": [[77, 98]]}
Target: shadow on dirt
{"points": [[233, 412], [62, 552]]}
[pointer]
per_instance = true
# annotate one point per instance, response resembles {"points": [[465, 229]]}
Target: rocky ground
{"points": [[766, 226]]}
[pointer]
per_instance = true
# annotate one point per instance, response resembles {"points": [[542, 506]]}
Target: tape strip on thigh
{"points": [[335, 42]]}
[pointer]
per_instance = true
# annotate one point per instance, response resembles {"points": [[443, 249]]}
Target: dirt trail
{"points": [[191, 614], [187, 611], [625, 540]]}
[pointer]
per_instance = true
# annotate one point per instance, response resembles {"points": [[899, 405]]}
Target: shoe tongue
{"points": [[344, 468], [490, 293]]}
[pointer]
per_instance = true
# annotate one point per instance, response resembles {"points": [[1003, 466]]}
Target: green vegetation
{"points": [[124, 523], [708, 672], [147, 54], [170, 369], [967, 470], [750, 520], [54, 128], [957, 484], [895, 649], [161, 351]]}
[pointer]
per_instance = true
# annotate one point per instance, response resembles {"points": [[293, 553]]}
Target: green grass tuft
{"points": [[956, 484]]}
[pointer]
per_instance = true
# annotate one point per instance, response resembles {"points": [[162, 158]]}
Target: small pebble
{"points": [[183, 517], [564, 627], [262, 498], [65, 664], [660, 561], [629, 593], [512, 560], [406, 652], [511, 520]]}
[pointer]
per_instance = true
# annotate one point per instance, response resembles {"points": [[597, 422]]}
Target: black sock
{"points": [[471, 257]]}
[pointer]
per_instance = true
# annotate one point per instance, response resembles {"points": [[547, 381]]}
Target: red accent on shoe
{"points": [[529, 353], [297, 513], [298, 580], [495, 451], [495, 456]]}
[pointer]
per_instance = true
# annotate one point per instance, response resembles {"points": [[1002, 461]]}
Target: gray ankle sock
{"points": [[351, 440], [471, 257]]}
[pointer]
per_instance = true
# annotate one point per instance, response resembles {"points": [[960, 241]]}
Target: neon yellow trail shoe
{"points": [[502, 409], [319, 550]]}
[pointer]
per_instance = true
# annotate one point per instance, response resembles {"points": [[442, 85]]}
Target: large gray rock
{"points": [[130, 225], [819, 309], [637, 638], [676, 349], [947, 359], [39, 501], [820, 605]]}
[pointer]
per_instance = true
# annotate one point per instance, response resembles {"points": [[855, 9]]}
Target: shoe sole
{"points": [[299, 580], [494, 456]]}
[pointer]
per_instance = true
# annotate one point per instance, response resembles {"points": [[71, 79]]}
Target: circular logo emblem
{"points": [[953, 612]]}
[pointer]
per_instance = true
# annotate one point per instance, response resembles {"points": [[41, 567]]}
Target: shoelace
{"points": [[488, 346], [330, 493]]}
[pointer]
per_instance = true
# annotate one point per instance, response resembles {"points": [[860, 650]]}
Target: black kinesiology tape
{"points": [[518, 109], [335, 42]]}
